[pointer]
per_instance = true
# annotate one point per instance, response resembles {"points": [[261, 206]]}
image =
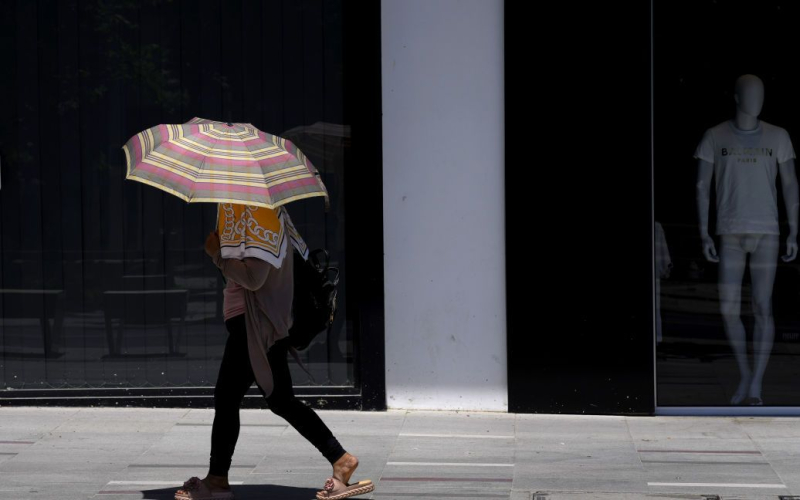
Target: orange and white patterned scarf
{"points": [[252, 231]]}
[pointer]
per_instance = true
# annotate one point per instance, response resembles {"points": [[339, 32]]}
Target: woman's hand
{"points": [[212, 243]]}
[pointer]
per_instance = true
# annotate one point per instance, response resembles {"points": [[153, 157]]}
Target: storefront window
{"points": [[726, 204]]}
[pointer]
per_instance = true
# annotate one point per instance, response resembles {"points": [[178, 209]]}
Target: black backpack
{"points": [[314, 302]]}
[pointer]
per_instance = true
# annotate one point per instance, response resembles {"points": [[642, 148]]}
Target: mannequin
{"points": [[746, 155]]}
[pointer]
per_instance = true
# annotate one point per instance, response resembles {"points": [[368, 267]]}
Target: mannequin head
{"points": [[749, 95]]}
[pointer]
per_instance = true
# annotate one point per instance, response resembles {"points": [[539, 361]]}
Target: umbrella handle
{"points": [[216, 226]]}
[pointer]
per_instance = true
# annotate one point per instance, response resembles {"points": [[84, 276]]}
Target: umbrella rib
{"points": [[200, 170], [260, 166]]}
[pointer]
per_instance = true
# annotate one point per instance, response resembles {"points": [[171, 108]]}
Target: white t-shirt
{"points": [[746, 167]]}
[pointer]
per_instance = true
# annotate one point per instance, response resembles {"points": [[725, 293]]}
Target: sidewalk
{"points": [[135, 453]]}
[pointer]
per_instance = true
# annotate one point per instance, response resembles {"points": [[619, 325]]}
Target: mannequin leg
{"points": [[763, 266], [732, 261]]}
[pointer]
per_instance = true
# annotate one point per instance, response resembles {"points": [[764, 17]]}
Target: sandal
{"points": [[335, 489], [196, 489]]}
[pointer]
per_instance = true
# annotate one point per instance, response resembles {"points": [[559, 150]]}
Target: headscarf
{"points": [[253, 231]]}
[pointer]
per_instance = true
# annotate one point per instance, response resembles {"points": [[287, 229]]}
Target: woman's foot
{"points": [[217, 483], [194, 487], [344, 467]]}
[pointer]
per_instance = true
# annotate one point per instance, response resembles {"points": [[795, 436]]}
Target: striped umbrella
{"points": [[222, 162]]}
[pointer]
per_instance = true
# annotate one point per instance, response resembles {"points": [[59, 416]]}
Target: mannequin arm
{"points": [[705, 172], [791, 195]]}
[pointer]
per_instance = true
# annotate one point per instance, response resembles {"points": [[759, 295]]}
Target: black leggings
{"points": [[235, 378]]}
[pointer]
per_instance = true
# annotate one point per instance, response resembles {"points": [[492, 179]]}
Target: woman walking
{"points": [[252, 248]]}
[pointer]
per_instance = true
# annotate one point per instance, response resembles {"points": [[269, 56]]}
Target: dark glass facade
{"points": [[104, 282]]}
